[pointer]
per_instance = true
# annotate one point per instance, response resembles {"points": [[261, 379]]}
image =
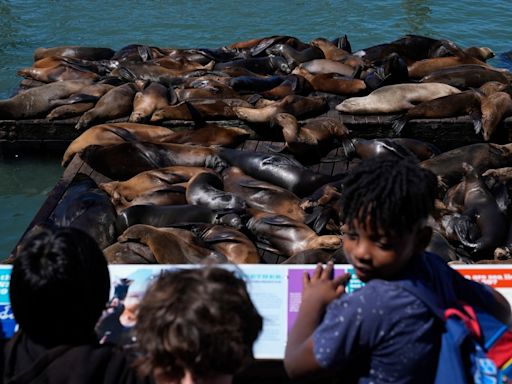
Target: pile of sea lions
{"points": [[193, 195]]}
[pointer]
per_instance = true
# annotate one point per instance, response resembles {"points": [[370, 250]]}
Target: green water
{"points": [[25, 179]]}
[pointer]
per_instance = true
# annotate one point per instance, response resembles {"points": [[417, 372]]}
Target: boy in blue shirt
{"points": [[381, 333]]}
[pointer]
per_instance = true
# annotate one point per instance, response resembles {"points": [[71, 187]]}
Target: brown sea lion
{"points": [[318, 66], [332, 82], [230, 242], [116, 103], [210, 134], [172, 195], [333, 52], [57, 73], [263, 196], [314, 138], [481, 205], [480, 53], [36, 102], [277, 169], [289, 237], [220, 91], [113, 133], [214, 109], [70, 110], [318, 255], [87, 53], [395, 98], [458, 104], [482, 156], [495, 108], [171, 245], [149, 181], [90, 93], [129, 253], [299, 106], [466, 76], [154, 96], [207, 189]]}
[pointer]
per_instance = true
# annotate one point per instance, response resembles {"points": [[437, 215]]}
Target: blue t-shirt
{"points": [[382, 333]]}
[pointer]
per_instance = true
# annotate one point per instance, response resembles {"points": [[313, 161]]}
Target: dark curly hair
{"points": [[199, 319], [395, 193], [59, 286]]}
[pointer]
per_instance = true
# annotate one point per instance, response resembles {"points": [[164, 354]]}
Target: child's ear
{"points": [[423, 238]]}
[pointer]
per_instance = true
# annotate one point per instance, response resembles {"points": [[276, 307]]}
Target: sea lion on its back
{"points": [[395, 98]]}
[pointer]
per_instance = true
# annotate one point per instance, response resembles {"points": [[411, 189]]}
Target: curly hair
{"points": [[395, 193], [59, 285], [199, 319]]}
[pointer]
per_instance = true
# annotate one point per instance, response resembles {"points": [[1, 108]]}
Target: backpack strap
{"points": [[424, 293]]}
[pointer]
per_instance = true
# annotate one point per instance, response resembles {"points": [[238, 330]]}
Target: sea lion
{"points": [[217, 91], [333, 83], [171, 245], [57, 73], [318, 66], [482, 156], [466, 76], [293, 84], [480, 53], [214, 109], [494, 108], [277, 169], [129, 253], [84, 206], [293, 56], [228, 241], [206, 189], [173, 216], [314, 138], [481, 205], [414, 149], [116, 103], [333, 52], [172, 195], [255, 84], [78, 52], [299, 106], [210, 134], [89, 93], [154, 96], [113, 133], [70, 110], [317, 255], [395, 98], [458, 104], [267, 65], [112, 162], [261, 195], [36, 102], [149, 181], [288, 237]]}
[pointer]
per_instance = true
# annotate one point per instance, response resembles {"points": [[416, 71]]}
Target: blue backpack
{"points": [[475, 347]]}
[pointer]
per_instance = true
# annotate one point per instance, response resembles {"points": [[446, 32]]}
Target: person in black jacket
{"points": [[59, 286]]}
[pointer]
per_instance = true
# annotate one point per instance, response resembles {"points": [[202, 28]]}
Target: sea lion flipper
{"points": [[399, 124], [462, 226], [476, 117]]}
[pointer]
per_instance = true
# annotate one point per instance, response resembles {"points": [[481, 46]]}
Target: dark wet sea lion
{"points": [[112, 162], [396, 147], [116, 103], [87, 53], [277, 169], [113, 133], [312, 139], [293, 56], [129, 253], [482, 156], [395, 98], [268, 65], [86, 207], [36, 102], [287, 236], [458, 104], [481, 204], [466, 76], [255, 83], [171, 245], [263, 196], [230, 242], [169, 216], [207, 189], [495, 108], [152, 97]]}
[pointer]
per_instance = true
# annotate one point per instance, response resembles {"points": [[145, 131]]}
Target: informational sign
{"points": [[276, 291]]}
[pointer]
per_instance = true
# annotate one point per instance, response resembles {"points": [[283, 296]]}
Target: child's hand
{"points": [[321, 286]]}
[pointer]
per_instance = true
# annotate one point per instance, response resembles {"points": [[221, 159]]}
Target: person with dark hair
{"points": [[59, 286], [381, 332], [196, 325]]}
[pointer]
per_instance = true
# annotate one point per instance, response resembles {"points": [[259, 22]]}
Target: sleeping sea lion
{"points": [[154, 96]]}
